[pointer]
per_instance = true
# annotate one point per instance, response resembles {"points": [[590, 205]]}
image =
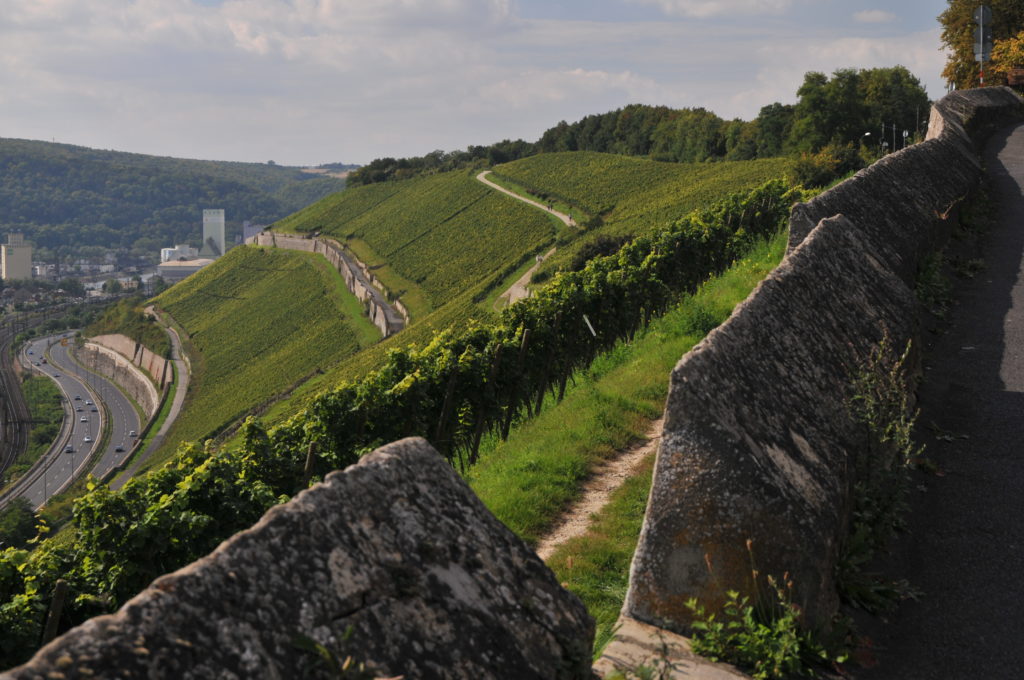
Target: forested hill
{"points": [[74, 197], [831, 112]]}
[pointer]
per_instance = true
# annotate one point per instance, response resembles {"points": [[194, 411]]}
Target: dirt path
{"points": [[518, 290], [597, 490], [964, 548], [566, 219]]}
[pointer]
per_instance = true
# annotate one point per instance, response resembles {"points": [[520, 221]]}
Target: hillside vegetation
{"points": [[430, 238], [69, 197], [471, 381], [626, 197], [830, 113], [261, 320], [127, 317]]}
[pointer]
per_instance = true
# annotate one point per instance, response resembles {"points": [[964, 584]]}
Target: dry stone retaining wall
{"points": [[395, 553], [389, 318], [758, 443]]}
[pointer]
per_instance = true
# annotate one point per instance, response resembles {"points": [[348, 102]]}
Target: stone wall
{"points": [[389, 318], [758, 444], [393, 561], [121, 370]]}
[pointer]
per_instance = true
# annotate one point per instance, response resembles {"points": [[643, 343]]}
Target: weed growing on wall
{"points": [[879, 402], [764, 637]]}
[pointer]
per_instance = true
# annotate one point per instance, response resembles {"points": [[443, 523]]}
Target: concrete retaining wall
{"points": [[158, 368], [758, 442], [121, 370], [389, 318], [394, 561]]}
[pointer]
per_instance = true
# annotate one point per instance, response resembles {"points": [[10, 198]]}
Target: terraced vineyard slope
{"points": [[625, 196], [428, 239], [261, 320]]}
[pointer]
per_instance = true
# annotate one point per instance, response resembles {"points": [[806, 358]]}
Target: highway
{"points": [[86, 397]]}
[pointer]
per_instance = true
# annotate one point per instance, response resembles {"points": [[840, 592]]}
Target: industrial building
{"points": [[213, 233], [16, 258]]}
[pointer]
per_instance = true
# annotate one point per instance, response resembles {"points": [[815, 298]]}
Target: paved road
{"points": [[965, 547], [85, 396], [125, 418]]}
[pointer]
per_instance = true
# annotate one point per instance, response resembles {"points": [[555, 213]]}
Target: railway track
{"points": [[13, 407]]}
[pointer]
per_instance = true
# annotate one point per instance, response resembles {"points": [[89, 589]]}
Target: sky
{"points": [[305, 82]]}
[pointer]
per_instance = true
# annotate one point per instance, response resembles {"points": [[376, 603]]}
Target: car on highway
{"points": [[83, 419], [78, 398], [35, 363], [88, 403], [69, 449], [79, 409], [86, 439], [94, 409], [31, 352], [132, 433], [56, 375], [119, 448]]}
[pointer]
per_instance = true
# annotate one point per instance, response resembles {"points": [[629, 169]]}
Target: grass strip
{"points": [[529, 480]]}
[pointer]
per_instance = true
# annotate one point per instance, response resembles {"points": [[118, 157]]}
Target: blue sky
{"points": [[303, 82]]}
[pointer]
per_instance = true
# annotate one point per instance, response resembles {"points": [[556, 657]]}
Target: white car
{"points": [[87, 439], [83, 419]]}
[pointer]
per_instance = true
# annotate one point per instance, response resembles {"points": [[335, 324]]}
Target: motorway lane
{"points": [[75, 381], [125, 418]]}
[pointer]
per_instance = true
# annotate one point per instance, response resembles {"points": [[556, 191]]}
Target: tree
{"points": [[958, 36], [72, 287], [773, 124], [811, 117], [17, 524], [1008, 54], [112, 286]]}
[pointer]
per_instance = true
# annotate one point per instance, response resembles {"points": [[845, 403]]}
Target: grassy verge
{"points": [[44, 404], [529, 480]]}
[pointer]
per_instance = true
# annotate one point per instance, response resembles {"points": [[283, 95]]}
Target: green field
{"points": [[428, 239], [262, 320]]}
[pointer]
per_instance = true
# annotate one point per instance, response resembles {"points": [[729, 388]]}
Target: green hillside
{"points": [[637, 196], [72, 197], [429, 238], [261, 320], [625, 196]]}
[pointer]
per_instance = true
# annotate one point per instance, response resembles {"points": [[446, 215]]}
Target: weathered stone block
{"points": [[758, 442], [396, 552]]}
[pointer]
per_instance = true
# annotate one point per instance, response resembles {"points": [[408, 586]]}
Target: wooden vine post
{"points": [[510, 409]]}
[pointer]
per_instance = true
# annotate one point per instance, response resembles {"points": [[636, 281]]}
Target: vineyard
{"points": [[632, 196], [428, 238], [262, 319], [470, 380]]}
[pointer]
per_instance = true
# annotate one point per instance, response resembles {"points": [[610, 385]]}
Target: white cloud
{"points": [[349, 80], [782, 67], [874, 16], [709, 8]]}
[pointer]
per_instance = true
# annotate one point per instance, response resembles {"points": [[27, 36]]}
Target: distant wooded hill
{"points": [[855, 109], [70, 200]]}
